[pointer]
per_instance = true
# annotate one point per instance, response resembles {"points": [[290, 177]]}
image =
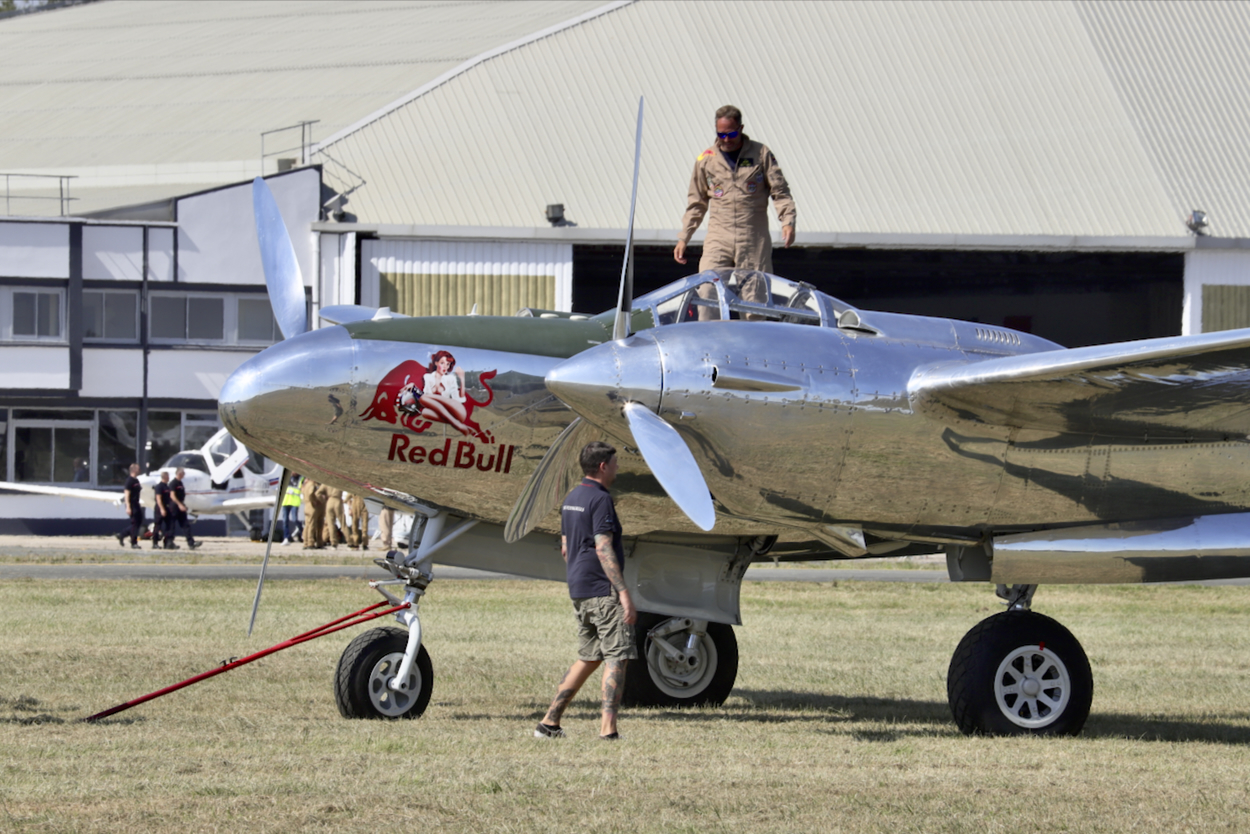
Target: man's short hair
{"points": [[595, 453], [729, 112]]}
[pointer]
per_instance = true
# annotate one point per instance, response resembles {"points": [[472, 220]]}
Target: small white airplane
{"points": [[217, 482]]}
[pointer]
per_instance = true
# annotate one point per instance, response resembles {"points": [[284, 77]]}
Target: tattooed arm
{"points": [[564, 548], [607, 558]]}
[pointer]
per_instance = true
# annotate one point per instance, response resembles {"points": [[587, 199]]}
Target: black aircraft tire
{"points": [[364, 667], [646, 684], [1019, 673]]}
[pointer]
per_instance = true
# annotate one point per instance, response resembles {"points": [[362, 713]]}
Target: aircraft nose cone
{"points": [[297, 387], [597, 383]]}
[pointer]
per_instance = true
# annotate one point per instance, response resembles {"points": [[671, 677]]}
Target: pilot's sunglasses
{"points": [[733, 134]]}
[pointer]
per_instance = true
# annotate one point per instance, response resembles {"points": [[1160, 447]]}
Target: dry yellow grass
{"points": [[838, 722]]}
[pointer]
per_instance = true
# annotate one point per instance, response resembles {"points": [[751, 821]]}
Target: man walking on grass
{"points": [[590, 542]]}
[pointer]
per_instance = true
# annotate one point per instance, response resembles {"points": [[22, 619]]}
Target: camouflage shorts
{"points": [[602, 631]]}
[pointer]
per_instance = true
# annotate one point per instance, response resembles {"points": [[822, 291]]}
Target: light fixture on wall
{"points": [[1197, 222], [555, 214]]}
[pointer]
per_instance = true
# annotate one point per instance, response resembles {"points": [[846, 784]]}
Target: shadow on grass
{"points": [[1167, 728]]}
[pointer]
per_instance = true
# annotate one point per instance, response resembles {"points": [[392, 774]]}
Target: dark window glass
{"points": [[24, 314], [72, 455], [48, 314], [120, 319], [206, 318], [196, 435], [117, 447], [93, 315], [256, 322], [164, 436], [168, 317], [32, 454]]}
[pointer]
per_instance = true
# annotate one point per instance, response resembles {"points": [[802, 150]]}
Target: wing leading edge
{"points": [[1194, 388]]}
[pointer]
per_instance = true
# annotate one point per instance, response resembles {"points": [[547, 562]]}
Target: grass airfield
{"points": [[838, 721]]}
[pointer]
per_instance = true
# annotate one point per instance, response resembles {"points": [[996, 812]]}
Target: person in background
{"points": [[386, 528], [335, 522], [130, 497], [314, 515], [178, 493], [290, 506], [358, 533], [163, 523]]}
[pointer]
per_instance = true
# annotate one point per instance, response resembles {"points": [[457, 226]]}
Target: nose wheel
{"points": [[365, 685]]}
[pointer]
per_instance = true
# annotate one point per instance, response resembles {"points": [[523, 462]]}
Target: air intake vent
{"points": [[1001, 337]]}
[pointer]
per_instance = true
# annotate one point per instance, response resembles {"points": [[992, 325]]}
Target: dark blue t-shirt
{"points": [[588, 510]]}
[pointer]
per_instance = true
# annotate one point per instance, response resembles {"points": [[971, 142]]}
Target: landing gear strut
{"points": [[386, 672]]}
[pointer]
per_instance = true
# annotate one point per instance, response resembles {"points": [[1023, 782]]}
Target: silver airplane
{"points": [[217, 482], [792, 427]]}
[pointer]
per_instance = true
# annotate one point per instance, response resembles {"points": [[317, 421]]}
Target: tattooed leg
{"points": [[613, 689], [567, 690]]}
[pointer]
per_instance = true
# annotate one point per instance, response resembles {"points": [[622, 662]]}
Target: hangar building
{"points": [[1033, 164]]}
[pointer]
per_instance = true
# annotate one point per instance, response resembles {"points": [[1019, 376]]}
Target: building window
{"points": [[110, 316], [217, 319], [32, 315]]}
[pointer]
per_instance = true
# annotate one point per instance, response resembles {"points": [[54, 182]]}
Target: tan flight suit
{"points": [[335, 520], [386, 526], [358, 536], [314, 514], [735, 201]]}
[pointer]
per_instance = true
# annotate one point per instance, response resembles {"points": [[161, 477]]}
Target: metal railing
{"points": [[62, 196], [304, 146]]}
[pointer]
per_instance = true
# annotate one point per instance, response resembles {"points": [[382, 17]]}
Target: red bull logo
{"points": [[466, 454], [416, 396]]}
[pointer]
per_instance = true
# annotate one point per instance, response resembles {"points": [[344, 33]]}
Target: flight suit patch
{"points": [[719, 192], [751, 186], [746, 163]]}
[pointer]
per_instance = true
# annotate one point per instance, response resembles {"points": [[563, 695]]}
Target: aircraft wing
{"points": [[242, 505], [65, 492], [1180, 388]]}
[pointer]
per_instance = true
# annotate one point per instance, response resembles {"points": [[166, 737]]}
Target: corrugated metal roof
{"points": [[173, 96], [1040, 120], [997, 118]]}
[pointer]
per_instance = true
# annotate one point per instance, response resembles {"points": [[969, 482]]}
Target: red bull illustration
{"points": [[416, 396]]}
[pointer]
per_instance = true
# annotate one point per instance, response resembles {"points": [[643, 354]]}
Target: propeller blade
{"points": [[277, 256], [273, 528], [621, 327], [669, 459], [551, 481]]}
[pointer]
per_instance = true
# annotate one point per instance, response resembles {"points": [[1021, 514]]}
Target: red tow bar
{"points": [[361, 616]]}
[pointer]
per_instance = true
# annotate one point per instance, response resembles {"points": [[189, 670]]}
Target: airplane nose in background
{"points": [[269, 391], [597, 383]]}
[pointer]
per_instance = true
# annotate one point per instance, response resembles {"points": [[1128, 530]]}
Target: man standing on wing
{"points": [[590, 542]]}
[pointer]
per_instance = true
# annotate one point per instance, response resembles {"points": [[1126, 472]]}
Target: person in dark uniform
{"points": [[163, 524], [590, 541], [134, 509], [178, 493]]}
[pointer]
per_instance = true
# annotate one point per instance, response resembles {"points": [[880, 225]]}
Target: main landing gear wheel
{"points": [[368, 662], [681, 673], [1019, 673]]}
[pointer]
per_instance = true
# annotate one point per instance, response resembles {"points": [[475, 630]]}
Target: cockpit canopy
{"points": [[747, 294]]}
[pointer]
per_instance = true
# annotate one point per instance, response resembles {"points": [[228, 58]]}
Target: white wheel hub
{"points": [[1032, 687], [385, 700], [679, 673]]}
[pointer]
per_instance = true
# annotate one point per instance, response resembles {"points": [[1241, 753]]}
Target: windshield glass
{"points": [[186, 460], [744, 294]]}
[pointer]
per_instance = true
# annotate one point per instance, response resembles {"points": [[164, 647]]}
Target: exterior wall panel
{"points": [[34, 250], [36, 367], [112, 253]]}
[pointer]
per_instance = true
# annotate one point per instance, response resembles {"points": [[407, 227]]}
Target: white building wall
{"points": [[160, 254], [112, 252], [34, 250], [217, 231], [191, 374], [36, 367], [1210, 266], [112, 372]]}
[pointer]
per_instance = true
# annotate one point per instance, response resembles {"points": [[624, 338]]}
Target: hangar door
{"points": [[447, 277]]}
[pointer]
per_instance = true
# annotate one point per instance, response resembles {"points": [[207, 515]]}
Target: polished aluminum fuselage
{"points": [[793, 427]]}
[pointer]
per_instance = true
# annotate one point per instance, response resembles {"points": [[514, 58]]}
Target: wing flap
{"points": [[65, 492], [1194, 388]]}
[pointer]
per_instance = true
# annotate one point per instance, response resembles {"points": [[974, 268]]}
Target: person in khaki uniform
{"points": [[314, 514], [335, 522], [358, 535], [730, 185]]}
